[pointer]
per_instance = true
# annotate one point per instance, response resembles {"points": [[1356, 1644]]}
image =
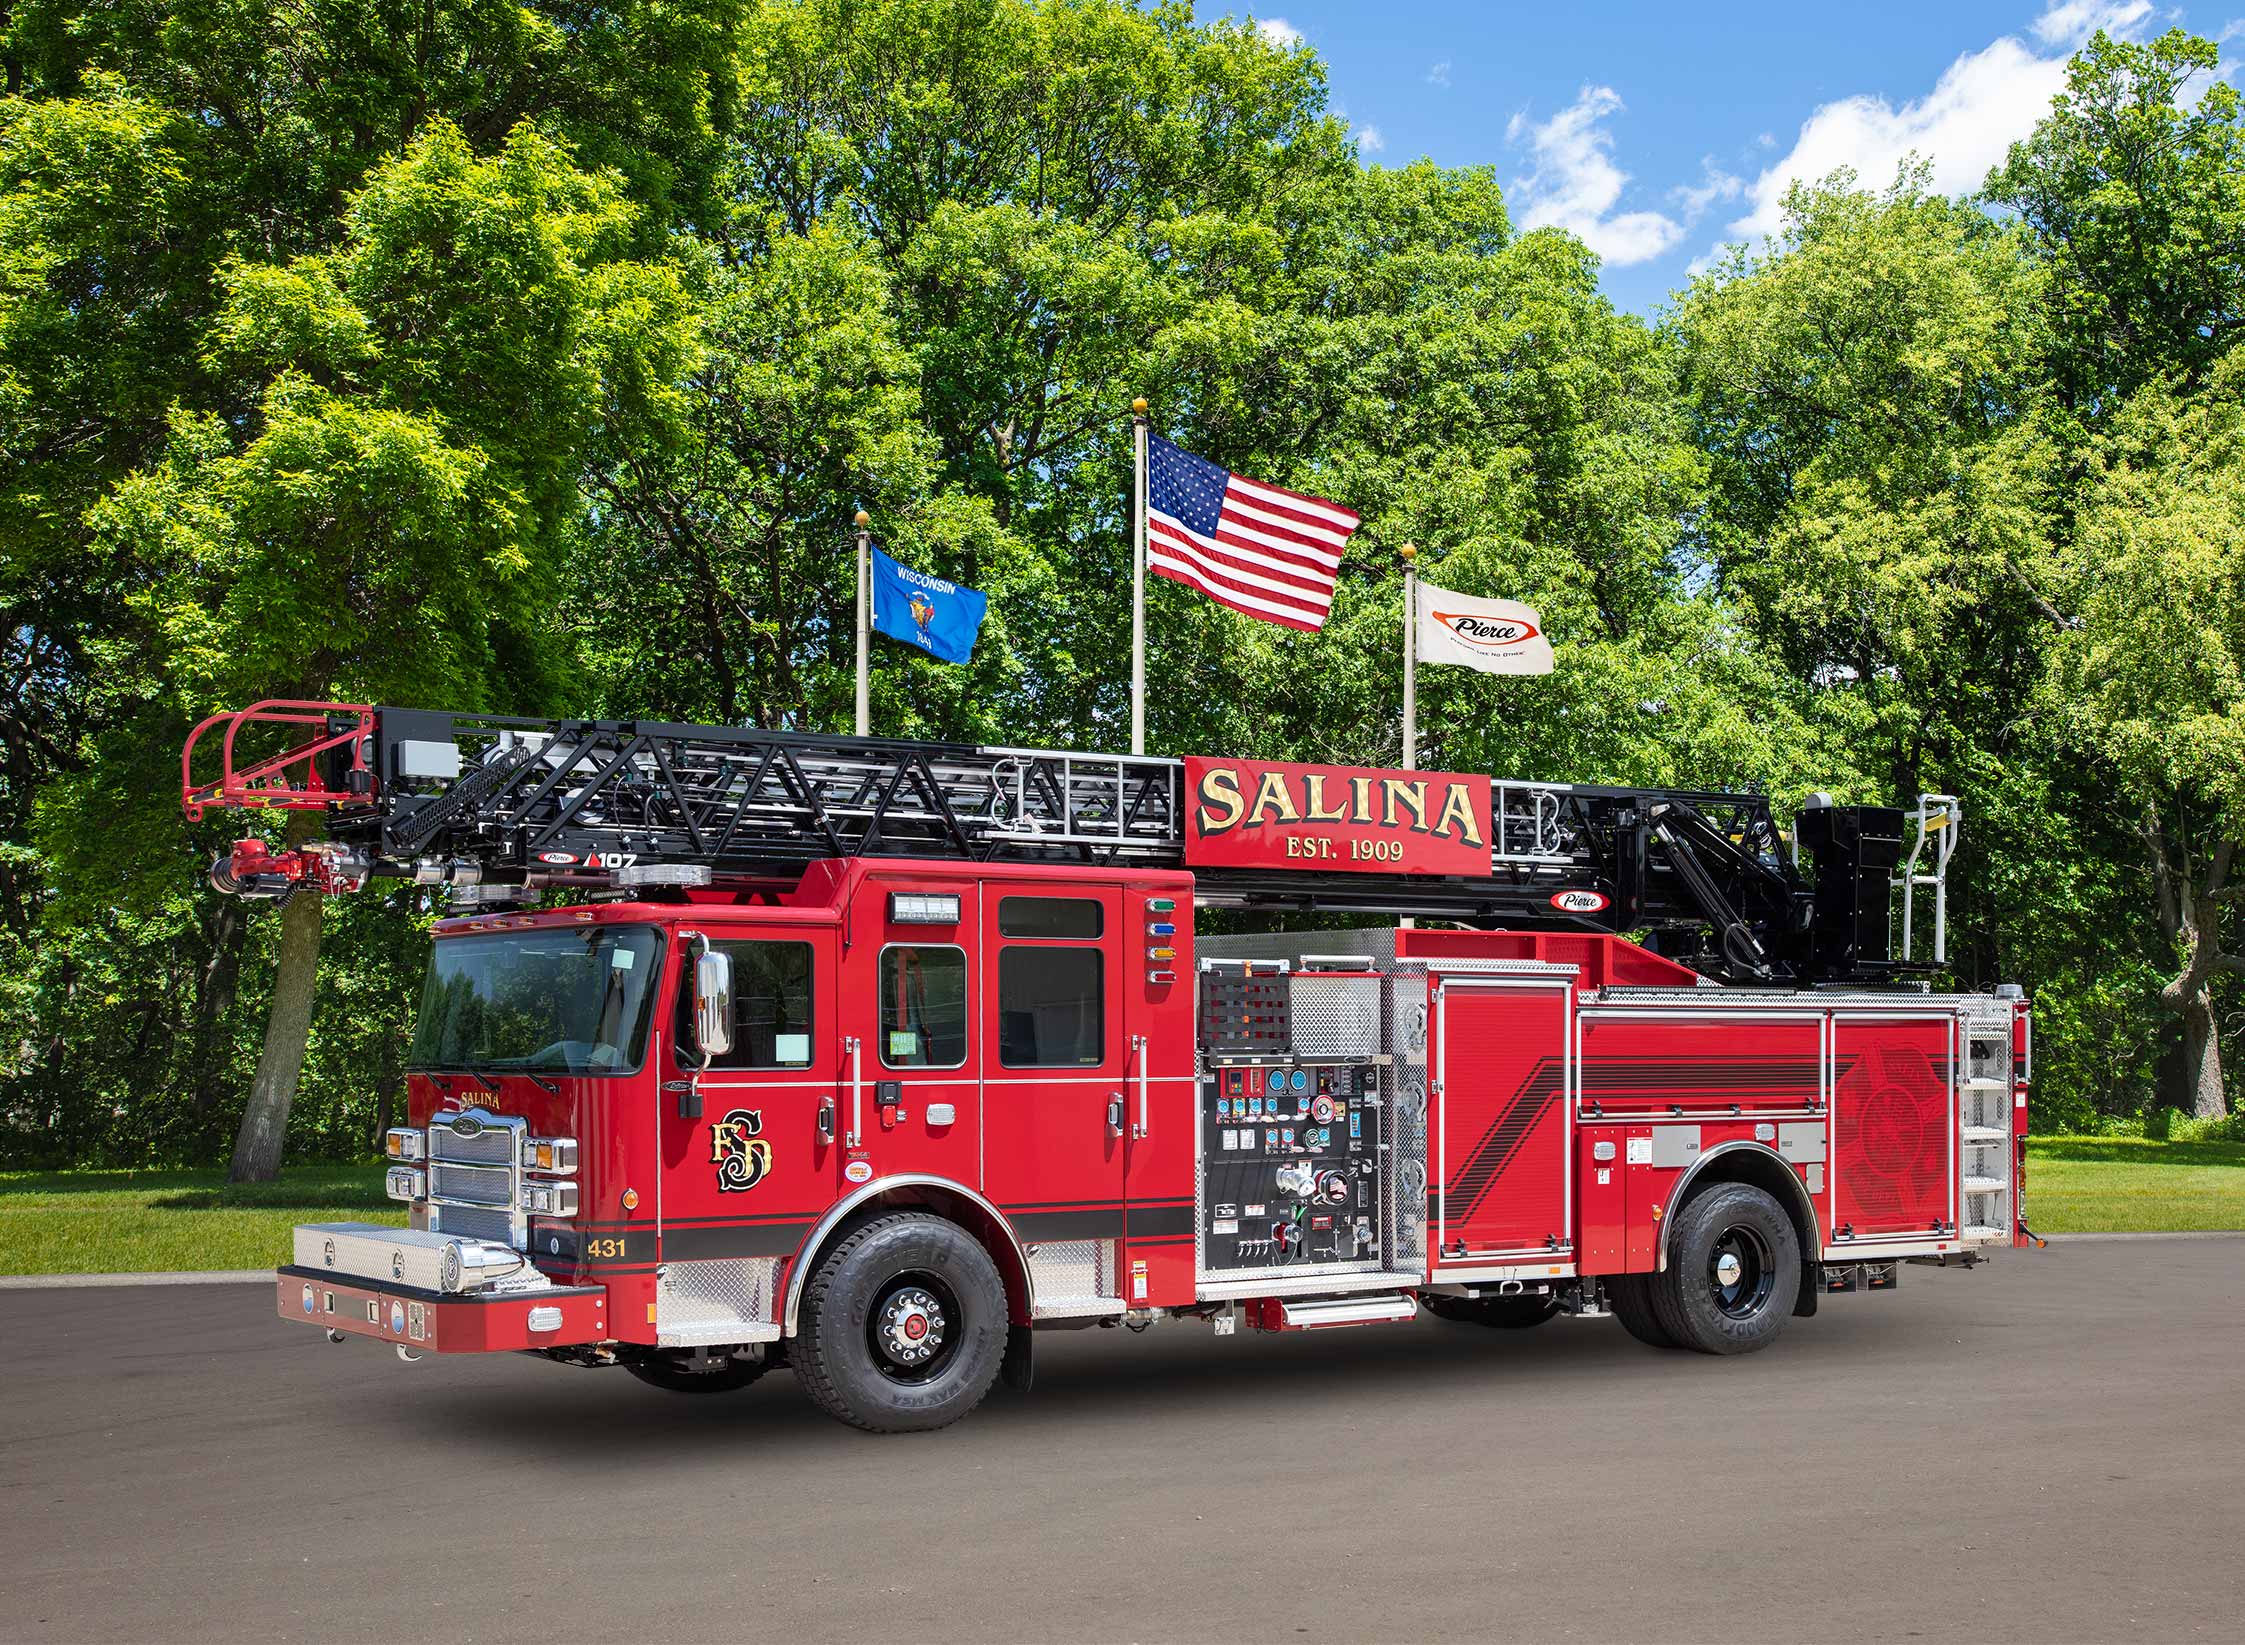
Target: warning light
{"points": [[1161, 928], [1161, 953], [1161, 905]]}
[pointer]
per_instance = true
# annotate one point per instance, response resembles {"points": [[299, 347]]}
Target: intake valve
{"points": [[1298, 1180]]}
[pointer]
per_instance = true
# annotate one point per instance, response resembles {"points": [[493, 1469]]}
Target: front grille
{"points": [[477, 1184], [494, 1145], [475, 1177], [473, 1222]]}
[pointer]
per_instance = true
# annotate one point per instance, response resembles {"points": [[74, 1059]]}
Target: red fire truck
{"points": [[875, 1058]]}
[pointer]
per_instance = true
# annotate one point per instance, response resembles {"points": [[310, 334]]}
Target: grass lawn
{"points": [[125, 1222], [2081, 1185], [121, 1222]]}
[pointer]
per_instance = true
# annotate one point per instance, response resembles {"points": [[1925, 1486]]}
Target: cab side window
{"points": [[771, 1007], [923, 1006], [1052, 991]]}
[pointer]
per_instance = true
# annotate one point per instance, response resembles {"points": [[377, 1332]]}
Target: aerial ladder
{"points": [[500, 810]]}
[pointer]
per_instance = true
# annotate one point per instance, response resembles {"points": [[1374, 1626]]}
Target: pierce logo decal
{"points": [[1488, 633], [1580, 902], [738, 1149]]}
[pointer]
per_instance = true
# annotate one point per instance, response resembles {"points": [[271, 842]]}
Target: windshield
{"points": [[570, 1001]]}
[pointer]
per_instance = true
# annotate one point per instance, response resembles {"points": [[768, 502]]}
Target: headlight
{"points": [[404, 1143], [405, 1182], [550, 1199], [555, 1154]]}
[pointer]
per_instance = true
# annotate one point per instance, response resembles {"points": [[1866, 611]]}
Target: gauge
{"points": [[1322, 1110], [1277, 1080], [1300, 1080]]}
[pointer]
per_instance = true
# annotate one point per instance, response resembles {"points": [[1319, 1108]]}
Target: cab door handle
{"points": [[1115, 1115]]}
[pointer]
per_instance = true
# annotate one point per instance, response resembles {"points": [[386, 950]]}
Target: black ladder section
{"points": [[501, 807]]}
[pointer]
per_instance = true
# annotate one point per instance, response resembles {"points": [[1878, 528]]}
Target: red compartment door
{"points": [[1500, 1185], [1893, 1127]]}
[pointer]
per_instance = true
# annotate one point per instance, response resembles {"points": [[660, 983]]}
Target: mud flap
{"points": [[1812, 1287], [1018, 1369]]}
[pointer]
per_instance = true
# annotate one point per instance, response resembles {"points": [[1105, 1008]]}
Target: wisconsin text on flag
{"points": [[1257, 548]]}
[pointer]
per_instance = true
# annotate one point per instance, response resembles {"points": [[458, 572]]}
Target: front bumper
{"points": [[396, 1285]]}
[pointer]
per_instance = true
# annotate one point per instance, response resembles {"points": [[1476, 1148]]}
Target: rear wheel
{"points": [[1733, 1275], [904, 1325], [1626, 1296], [684, 1373]]}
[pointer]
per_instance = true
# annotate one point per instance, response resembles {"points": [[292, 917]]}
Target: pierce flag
{"points": [[1494, 636]]}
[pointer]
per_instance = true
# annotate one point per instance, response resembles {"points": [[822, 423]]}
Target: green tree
{"points": [[391, 524], [2149, 682], [2134, 189]]}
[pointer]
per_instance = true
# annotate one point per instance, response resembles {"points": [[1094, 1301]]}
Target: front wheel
{"points": [[904, 1326], [1733, 1275]]}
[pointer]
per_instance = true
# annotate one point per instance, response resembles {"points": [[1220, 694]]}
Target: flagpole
{"points": [[864, 623], [1408, 553], [1138, 582]]}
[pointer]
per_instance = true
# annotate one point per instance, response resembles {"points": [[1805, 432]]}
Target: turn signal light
{"points": [[555, 1154], [405, 1182], [1161, 953], [404, 1143]]}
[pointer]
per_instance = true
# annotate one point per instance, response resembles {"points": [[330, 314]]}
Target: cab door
{"points": [[747, 1164], [1058, 1076], [911, 1058]]}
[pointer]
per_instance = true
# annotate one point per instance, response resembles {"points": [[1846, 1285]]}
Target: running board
{"points": [[1322, 1313]]}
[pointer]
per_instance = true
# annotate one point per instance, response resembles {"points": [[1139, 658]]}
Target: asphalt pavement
{"points": [[2048, 1449]]}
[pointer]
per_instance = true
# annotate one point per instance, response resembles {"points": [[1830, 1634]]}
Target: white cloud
{"points": [[1370, 140], [1575, 185], [1714, 184], [2069, 22], [1984, 102], [1279, 32], [1439, 75]]}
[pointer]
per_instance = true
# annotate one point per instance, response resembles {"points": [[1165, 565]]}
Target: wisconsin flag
{"points": [[941, 618], [1494, 636]]}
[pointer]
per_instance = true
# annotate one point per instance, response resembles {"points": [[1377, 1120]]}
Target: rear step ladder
{"points": [[1984, 1138]]}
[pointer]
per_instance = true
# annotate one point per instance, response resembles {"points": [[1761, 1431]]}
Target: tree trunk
{"points": [[2188, 893], [2202, 1057], [288, 1029]]}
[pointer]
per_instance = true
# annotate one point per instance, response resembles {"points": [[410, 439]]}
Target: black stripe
{"points": [[1155, 1220], [734, 1240], [1103, 1223]]}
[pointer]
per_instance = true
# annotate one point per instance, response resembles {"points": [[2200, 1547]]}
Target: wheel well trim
{"points": [[799, 1272], [1802, 1203]]}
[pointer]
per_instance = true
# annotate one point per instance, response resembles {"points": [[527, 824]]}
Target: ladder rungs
{"points": [[1985, 1133], [1983, 1085], [1985, 1185]]}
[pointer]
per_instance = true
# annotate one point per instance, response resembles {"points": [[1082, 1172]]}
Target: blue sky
{"points": [[1659, 132]]}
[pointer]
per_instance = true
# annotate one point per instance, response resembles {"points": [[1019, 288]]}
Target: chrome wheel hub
{"points": [[910, 1328], [1728, 1268]]}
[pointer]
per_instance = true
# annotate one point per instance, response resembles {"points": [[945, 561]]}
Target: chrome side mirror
{"points": [[713, 1000]]}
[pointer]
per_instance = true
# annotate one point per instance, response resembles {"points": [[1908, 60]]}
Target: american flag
{"points": [[1260, 549]]}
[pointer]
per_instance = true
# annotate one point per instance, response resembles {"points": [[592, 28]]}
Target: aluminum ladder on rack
{"points": [[1939, 821]]}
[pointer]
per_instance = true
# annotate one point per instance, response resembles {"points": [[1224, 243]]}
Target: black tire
{"points": [[1733, 1274], [1518, 1313], [677, 1373], [875, 1304], [1626, 1296]]}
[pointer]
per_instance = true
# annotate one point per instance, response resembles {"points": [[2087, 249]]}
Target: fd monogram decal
{"points": [[737, 1148]]}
